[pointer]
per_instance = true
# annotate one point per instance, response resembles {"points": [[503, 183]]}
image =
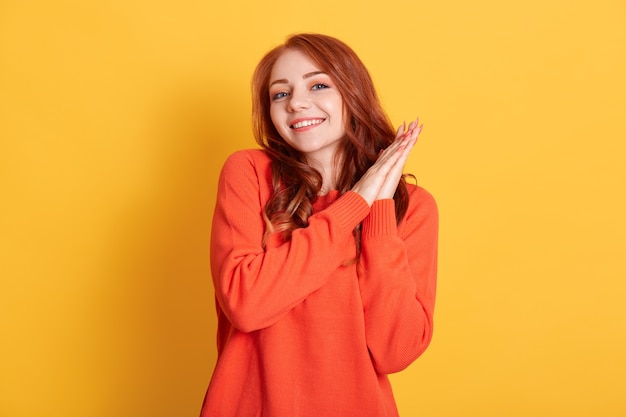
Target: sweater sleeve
{"points": [[397, 280], [256, 286]]}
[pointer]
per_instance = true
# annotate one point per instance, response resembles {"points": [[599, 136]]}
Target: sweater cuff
{"points": [[349, 210], [381, 220]]}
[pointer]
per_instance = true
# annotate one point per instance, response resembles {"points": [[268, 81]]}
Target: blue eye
{"points": [[319, 86], [280, 95]]}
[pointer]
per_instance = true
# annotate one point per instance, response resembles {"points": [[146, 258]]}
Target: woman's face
{"points": [[305, 107]]}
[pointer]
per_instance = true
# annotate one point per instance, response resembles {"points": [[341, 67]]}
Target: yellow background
{"points": [[115, 117]]}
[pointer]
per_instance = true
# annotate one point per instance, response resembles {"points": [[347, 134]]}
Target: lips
{"points": [[302, 123]]}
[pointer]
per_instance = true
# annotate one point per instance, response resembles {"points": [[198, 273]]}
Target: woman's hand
{"points": [[381, 179]]}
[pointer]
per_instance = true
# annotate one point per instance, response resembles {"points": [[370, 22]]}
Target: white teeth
{"points": [[306, 123]]}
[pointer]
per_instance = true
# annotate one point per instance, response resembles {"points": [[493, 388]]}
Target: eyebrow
{"points": [[304, 77]]}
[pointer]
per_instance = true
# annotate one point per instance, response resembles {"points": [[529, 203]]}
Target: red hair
{"points": [[368, 131]]}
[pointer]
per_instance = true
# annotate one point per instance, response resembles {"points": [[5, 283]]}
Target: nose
{"points": [[298, 101]]}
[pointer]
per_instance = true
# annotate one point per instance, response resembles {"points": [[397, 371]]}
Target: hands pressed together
{"points": [[381, 179]]}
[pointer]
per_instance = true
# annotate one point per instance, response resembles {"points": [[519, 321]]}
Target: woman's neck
{"points": [[328, 171]]}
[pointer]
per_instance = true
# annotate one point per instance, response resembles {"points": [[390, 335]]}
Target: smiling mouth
{"points": [[306, 123]]}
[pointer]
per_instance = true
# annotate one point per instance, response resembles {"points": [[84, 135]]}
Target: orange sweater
{"points": [[302, 332]]}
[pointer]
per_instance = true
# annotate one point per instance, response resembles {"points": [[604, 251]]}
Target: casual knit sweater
{"points": [[302, 330]]}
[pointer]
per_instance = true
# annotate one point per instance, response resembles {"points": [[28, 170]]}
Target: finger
{"points": [[392, 163], [389, 151], [400, 130], [410, 132], [418, 130], [389, 159], [413, 126], [405, 136], [414, 130]]}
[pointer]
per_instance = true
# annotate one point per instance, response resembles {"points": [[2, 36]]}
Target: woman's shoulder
{"points": [[420, 199], [417, 191], [248, 169], [247, 158], [256, 155]]}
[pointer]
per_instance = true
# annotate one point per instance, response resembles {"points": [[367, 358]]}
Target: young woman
{"points": [[323, 258]]}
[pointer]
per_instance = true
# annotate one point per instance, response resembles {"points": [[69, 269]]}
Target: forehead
{"points": [[292, 63]]}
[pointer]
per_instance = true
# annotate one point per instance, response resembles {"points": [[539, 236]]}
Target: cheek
{"points": [[338, 108], [274, 117], [278, 120]]}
